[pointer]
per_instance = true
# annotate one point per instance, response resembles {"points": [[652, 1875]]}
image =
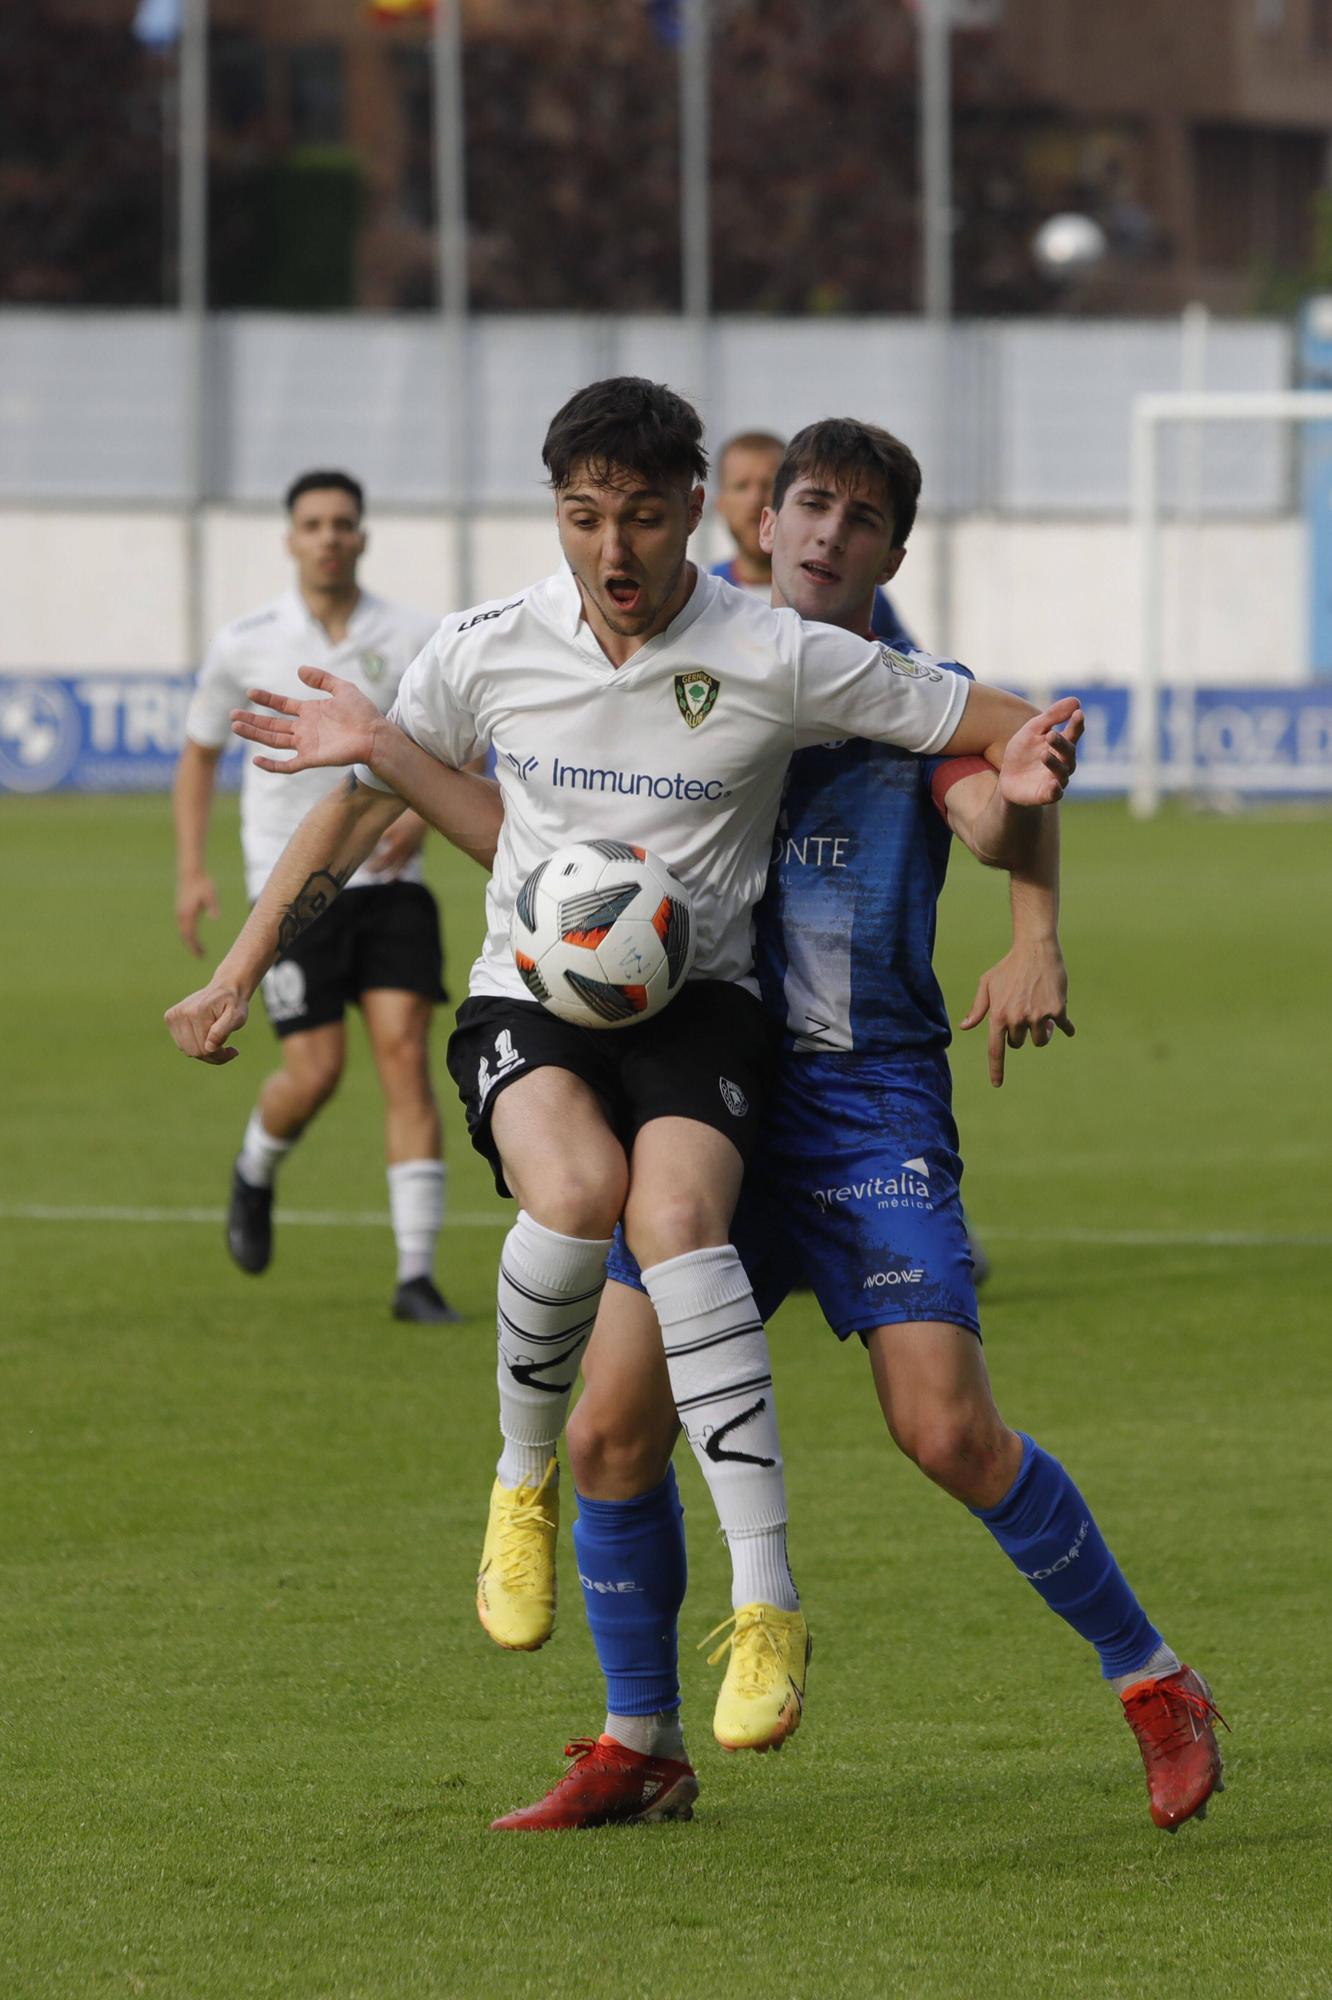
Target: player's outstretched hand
{"points": [[201, 1024], [1025, 994], [337, 730], [1041, 756]]}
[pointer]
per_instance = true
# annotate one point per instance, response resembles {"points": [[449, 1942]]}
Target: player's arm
{"points": [[347, 728], [844, 688], [1026, 993], [992, 719], [191, 808], [327, 848], [463, 805], [1003, 819]]}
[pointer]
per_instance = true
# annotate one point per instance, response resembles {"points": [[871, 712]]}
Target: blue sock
{"points": [[631, 1564], [1045, 1527]]}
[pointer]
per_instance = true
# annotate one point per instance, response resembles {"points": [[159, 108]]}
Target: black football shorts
{"points": [[383, 936], [707, 1056]]}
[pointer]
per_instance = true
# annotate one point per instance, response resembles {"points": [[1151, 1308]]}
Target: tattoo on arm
{"points": [[309, 902]]}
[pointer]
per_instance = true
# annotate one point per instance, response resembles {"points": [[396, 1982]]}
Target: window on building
{"points": [[416, 193], [316, 95], [237, 80], [1255, 195]]}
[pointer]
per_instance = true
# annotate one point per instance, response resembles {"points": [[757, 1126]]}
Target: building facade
{"points": [[1199, 135]]}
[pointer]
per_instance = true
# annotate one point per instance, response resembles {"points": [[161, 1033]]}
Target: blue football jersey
{"points": [[844, 936]]}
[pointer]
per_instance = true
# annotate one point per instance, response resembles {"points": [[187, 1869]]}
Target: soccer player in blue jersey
{"points": [[746, 468], [855, 1189]]}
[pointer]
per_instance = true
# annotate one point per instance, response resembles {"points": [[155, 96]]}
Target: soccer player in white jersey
{"points": [[855, 1190], [627, 698], [379, 945]]}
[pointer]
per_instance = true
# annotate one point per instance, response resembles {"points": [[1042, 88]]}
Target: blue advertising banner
{"points": [[1259, 740], [123, 732], [96, 732]]}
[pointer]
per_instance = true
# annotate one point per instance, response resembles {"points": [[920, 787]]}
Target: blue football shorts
{"points": [[854, 1193]]}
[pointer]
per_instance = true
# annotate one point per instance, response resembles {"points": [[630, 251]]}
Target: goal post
{"points": [[1151, 415]]}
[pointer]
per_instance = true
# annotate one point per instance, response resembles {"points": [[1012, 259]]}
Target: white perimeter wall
{"points": [[1035, 602]]}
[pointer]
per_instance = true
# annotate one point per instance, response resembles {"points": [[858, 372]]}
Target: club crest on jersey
{"points": [[372, 666], [696, 696]]}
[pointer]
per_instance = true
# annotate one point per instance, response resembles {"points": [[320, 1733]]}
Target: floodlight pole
{"points": [[936, 176], [192, 298], [695, 150], [447, 110], [695, 80], [936, 280]]}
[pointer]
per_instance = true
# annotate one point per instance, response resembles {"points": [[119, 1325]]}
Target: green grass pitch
{"points": [[253, 1733]]}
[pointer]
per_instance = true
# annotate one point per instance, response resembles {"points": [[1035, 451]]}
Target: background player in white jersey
{"points": [[379, 946], [627, 698], [855, 1191]]}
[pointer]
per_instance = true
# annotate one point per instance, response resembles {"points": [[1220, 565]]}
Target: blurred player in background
{"points": [[854, 1190], [746, 468], [378, 946]]}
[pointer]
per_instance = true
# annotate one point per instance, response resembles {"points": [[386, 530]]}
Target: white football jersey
{"points": [[682, 750], [264, 650]]}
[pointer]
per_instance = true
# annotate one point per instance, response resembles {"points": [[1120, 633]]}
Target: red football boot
{"points": [[1172, 1719], [607, 1785]]}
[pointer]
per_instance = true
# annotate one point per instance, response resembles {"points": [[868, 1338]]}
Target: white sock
{"points": [[760, 1570], [1162, 1662], [261, 1154], [549, 1289], [658, 1735], [416, 1204], [721, 1377]]}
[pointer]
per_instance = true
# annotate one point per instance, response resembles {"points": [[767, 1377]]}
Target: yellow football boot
{"points": [[515, 1586], [763, 1695]]}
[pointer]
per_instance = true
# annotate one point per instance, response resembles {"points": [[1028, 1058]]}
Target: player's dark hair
{"points": [[626, 424], [319, 482], [844, 451]]}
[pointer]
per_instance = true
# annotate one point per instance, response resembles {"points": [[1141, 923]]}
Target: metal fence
{"points": [[1007, 417]]}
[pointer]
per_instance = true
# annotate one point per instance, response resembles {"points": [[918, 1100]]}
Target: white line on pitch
{"points": [[301, 1218], [370, 1218], [1158, 1239]]}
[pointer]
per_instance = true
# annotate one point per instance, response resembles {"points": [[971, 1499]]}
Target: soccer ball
{"points": [[602, 934]]}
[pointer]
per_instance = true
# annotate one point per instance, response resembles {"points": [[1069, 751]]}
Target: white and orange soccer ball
{"points": [[602, 934]]}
